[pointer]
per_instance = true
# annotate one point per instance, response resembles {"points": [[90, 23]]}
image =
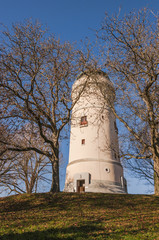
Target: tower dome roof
{"points": [[92, 72], [92, 76]]}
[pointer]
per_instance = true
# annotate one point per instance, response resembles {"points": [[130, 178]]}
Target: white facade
{"points": [[94, 164]]}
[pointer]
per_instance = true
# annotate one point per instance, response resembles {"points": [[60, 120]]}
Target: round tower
{"points": [[94, 164]]}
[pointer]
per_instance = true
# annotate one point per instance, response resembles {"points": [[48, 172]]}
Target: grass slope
{"points": [[79, 216]]}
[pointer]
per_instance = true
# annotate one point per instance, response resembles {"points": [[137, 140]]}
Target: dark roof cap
{"points": [[90, 72]]}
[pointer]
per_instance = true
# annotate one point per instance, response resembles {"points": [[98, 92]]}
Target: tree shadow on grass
{"points": [[89, 232], [70, 233]]}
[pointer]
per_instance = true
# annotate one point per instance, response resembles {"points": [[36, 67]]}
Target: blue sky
{"points": [[69, 19], [73, 20]]}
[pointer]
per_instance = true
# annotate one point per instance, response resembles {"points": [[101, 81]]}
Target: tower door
{"points": [[80, 186]]}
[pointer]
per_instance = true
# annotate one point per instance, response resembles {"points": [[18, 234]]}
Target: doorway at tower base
{"points": [[82, 182]]}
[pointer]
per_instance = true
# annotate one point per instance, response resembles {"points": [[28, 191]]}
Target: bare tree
{"points": [[130, 47], [6, 166], [22, 172], [29, 171], [37, 72], [25, 171], [6, 159]]}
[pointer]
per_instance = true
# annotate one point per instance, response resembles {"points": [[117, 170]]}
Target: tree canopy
{"points": [[37, 72], [130, 47]]}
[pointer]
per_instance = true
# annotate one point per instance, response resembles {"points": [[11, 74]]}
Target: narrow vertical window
{"points": [[83, 141], [84, 120]]}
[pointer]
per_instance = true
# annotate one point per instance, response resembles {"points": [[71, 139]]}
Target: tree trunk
{"points": [[55, 186], [156, 176]]}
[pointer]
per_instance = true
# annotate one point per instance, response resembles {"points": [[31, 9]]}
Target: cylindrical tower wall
{"points": [[94, 138]]}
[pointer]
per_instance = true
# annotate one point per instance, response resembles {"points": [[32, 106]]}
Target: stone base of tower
{"points": [[103, 177]]}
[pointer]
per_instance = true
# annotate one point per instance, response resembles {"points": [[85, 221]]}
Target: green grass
{"points": [[79, 216]]}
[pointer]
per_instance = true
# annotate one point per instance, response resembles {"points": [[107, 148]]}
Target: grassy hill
{"points": [[79, 216]]}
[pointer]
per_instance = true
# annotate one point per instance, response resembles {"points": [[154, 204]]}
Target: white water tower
{"points": [[94, 163]]}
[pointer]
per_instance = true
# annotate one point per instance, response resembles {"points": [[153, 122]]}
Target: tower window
{"points": [[115, 126], [83, 141], [84, 121]]}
